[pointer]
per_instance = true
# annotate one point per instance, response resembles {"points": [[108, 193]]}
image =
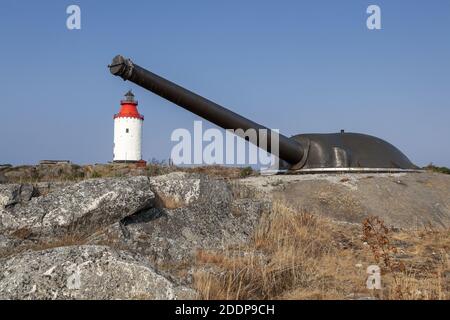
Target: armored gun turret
{"points": [[303, 153]]}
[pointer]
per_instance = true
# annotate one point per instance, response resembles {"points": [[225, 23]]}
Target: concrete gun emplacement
{"points": [[302, 153]]}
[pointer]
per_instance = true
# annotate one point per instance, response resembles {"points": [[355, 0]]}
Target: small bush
{"points": [[155, 170], [246, 172], [95, 174], [433, 168]]}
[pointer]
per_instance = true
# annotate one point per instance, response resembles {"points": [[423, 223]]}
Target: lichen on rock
{"points": [[83, 272]]}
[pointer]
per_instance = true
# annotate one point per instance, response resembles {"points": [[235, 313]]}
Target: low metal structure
{"points": [[304, 153]]}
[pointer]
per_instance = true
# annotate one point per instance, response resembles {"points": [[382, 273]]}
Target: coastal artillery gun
{"points": [[302, 153]]}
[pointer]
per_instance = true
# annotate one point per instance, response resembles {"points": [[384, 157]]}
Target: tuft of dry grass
{"points": [[44, 244], [218, 171], [296, 255]]}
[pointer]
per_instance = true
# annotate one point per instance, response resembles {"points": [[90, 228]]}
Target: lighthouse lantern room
{"points": [[128, 131]]}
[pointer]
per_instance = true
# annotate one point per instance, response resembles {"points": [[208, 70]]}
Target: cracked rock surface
{"points": [[115, 238], [137, 237], [78, 208], [83, 272]]}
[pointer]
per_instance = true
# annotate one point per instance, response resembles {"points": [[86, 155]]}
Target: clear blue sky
{"points": [[300, 66]]}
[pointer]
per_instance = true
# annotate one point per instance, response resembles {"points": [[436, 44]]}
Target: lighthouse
{"points": [[128, 131]]}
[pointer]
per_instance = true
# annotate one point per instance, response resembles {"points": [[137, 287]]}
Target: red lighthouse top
{"points": [[128, 108]]}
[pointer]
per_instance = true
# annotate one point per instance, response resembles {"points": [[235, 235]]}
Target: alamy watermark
{"points": [[73, 21], [374, 278], [373, 22], [212, 146]]}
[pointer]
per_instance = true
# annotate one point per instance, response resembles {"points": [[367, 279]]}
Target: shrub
{"points": [[246, 172], [433, 168], [95, 174]]}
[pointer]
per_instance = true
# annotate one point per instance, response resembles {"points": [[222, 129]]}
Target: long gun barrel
{"points": [[289, 150]]}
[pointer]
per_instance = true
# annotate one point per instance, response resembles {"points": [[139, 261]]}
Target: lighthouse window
{"points": [[127, 130]]}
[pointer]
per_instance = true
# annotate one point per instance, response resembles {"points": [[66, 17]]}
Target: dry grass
{"points": [[75, 173], [72, 236], [296, 255], [219, 171], [44, 244]]}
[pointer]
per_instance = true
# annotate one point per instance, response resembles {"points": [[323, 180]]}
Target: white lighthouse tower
{"points": [[128, 131]]}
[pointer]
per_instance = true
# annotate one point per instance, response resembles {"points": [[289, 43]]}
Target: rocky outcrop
{"points": [[175, 190], [78, 208], [164, 218], [402, 200], [159, 224], [12, 194], [84, 272], [192, 212]]}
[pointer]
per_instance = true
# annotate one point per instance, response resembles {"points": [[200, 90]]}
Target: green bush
{"points": [[246, 172], [95, 174], [433, 168]]}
